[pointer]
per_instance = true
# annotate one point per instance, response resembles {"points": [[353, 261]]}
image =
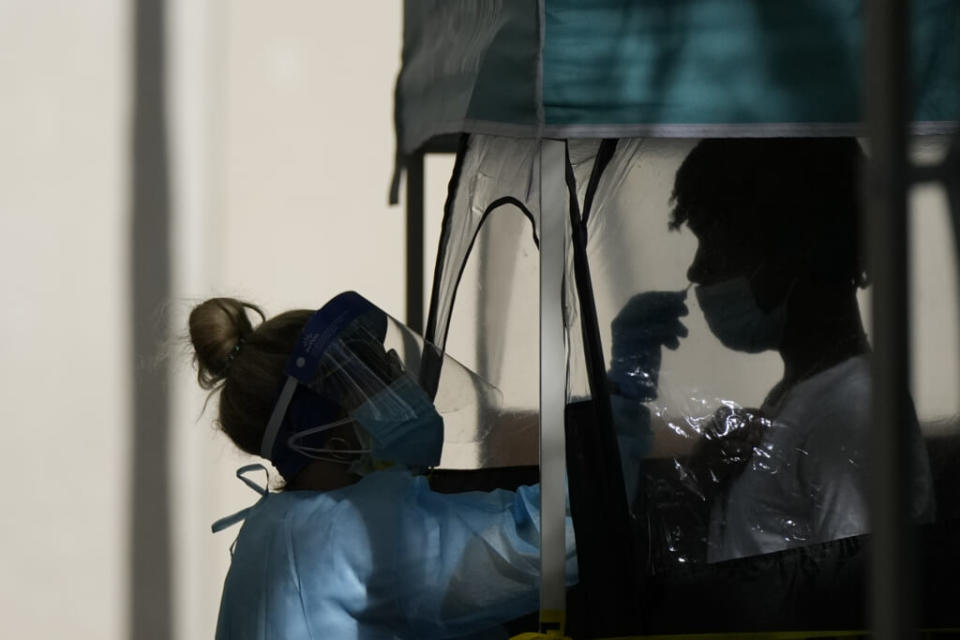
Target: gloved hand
{"points": [[648, 321], [631, 418], [731, 438]]}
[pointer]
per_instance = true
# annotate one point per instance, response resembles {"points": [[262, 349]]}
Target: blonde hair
{"points": [[244, 363]]}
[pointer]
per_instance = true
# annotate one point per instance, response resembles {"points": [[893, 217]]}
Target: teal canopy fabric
{"points": [[729, 62], [592, 68]]}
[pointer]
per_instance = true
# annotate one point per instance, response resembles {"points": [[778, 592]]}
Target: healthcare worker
{"points": [[356, 545], [777, 268]]}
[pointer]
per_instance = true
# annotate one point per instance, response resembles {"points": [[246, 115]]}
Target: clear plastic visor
{"points": [[376, 372]]}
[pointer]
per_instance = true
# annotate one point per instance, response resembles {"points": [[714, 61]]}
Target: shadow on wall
{"points": [[150, 560]]}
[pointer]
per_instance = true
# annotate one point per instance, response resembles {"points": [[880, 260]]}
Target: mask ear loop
{"points": [[323, 453], [794, 281]]}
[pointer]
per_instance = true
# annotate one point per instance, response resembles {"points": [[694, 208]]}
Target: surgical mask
{"points": [[399, 425], [735, 318], [404, 425]]}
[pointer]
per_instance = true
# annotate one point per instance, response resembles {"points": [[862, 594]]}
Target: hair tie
{"points": [[233, 354]]}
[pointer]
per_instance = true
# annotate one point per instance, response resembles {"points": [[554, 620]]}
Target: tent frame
{"points": [[893, 588]]}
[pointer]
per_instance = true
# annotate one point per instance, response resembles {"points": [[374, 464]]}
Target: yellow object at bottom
{"points": [[552, 625], [755, 635]]}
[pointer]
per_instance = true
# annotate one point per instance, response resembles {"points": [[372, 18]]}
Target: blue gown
{"points": [[385, 558]]}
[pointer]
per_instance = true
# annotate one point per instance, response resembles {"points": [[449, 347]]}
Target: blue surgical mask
{"points": [[398, 426], [735, 318], [403, 425]]}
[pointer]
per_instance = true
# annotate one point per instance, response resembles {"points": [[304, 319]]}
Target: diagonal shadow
{"points": [[149, 569]]}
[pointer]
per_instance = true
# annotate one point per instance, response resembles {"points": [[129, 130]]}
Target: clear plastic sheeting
{"points": [[730, 296], [494, 177], [715, 294], [749, 481], [486, 288], [729, 282], [408, 401]]}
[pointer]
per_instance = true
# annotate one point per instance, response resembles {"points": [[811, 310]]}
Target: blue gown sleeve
{"points": [[471, 560], [394, 558]]}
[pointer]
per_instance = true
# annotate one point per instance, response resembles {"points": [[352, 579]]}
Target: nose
{"points": [[695, 272]]}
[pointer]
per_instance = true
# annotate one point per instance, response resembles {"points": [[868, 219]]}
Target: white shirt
{"points": [[809, 484]]}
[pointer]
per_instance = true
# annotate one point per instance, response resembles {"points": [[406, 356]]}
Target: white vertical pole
{"points": [[553, 367]]}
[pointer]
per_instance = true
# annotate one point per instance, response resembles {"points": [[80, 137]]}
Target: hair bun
{"points": [[216, 328]]}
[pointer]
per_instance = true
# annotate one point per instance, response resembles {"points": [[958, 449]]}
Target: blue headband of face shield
{"points": [[305, 409], [340, 368]]}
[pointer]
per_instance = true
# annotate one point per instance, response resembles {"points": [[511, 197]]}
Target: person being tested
{"points": [[357, 545], [777, 267]]}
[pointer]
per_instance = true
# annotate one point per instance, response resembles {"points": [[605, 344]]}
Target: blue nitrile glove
{"points": [[648, 321]]}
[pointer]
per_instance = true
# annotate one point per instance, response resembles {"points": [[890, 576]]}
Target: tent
{"points": [[571, 120]]}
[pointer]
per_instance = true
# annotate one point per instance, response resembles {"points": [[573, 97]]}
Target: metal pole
{"points": [[414, 266], [553, 390], [150, 545], [892, 587]]}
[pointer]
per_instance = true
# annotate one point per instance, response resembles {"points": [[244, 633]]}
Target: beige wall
{"points": [[63, 355], [933, 282]]}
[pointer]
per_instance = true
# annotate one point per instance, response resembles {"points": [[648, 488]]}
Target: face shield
{"points": [[355, 369]]}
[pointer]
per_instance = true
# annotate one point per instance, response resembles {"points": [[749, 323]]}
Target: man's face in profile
{"points": [[725, 250]]}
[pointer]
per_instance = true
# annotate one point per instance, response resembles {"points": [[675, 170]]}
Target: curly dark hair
{"points": [[799, 197]]}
